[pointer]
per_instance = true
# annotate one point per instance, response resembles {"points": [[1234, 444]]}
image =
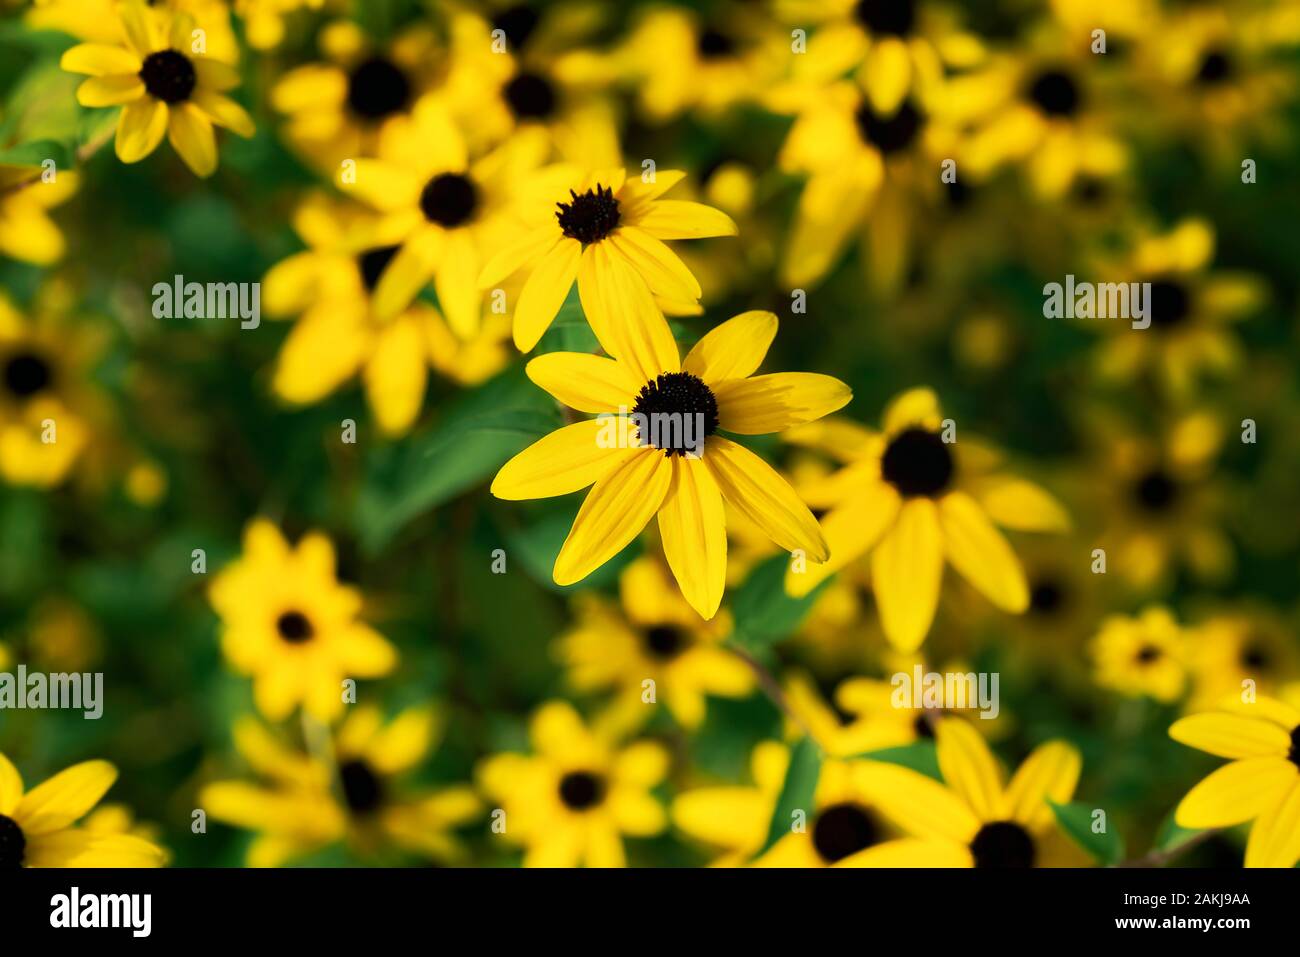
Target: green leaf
{"points": [[1076, 819], [796, 791], [920, 756], [480, 432], [1172, 835], [763, 611]]}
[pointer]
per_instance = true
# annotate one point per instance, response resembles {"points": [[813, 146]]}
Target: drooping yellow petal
{"points": [[224, 111], [661, 268], [978, 550], [969, 767], [1050, 773], [764, 404], [615, 511], [584, 382], [453, 281], [80, 848], [1275, 836], [58, 802], [403, 742], [409, 271], [544, 292], [1021, 505], [395, 375], [694, 534], [623, 315], [851, 530], [677, 219], [758, 492], [191, 135], [918, 804], [906, 569], [565, 461], [110, 90], [1231, 735], [140, 129], [324, 349], [100, 59], [734, 349], [887, 73], [1237, 792], [215, 75], [509, 260], [139, 25]]}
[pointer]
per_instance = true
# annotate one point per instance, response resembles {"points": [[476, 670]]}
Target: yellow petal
{"points": [[615, 511], [80, 848], [677, 219], [1021, 505], [386, 186], [694, 534], [224, 111], [1231, 735], [915, 407], [100, 59], [660, 267], [409, 271], [1050, 773], [734, 349], [851, 531], [403, 742], [395, 376], [138, 24], [215, 75], [918, 804], [906, 568], [584, 382], [887, 73], [110, 90], [757, 491], [544, 292], [453, 281], [1275, 836], [11, 787], [140, 129], [1237, 792], [62, 799], [623, 315], [190, 133], [981, 554], [565, 461], [969, 767], [910, 852], [324, 349], [771, 403], [512, 258]]}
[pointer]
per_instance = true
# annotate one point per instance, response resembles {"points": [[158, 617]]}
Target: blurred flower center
{"points": [[888, 134], [1294, 753], [1170, 303], [12, 844], [1255, 655], [894, 17], [373, 262], [530, 96], [665, 641], [1055, 93], [449, 199], [26, 374], [377, 88], [294, 627], [1003, 844], [1215, 68], [843, 829], [958, 194], [1156, 491], [1090, 190], [1148, 654], [362, 789], [168, 76], [589, 217], [581, 790], [917, 463], [1046, 597], [517, 22], [670, 405], [713, 44]]}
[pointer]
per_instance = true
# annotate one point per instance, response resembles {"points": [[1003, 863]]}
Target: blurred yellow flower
{"points": [[1146, 655], [26, 231], [734, 818]]}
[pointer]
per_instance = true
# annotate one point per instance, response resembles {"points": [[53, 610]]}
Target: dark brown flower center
{"points": [[581, 790], [665, 642], [1055, 92], [892, 17], [1003, 844], [294, 627], [530, 96], [1046, 597], [25, 374], [843, 829], [373, 262], [377, 88], [917, 462], [590, 217], [889, 134], [168, 75], [1149, 654], [1155, 491], [676, 413], [449, 199], [714, 44], [1170, 303], [517, 23], [1294, 753], [13, 845], [363, 790], [1216, 67]]}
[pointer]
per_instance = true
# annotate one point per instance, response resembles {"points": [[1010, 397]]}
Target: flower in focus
{"points": [[1261, 784], [733, 818], [577, 795], [912, 500], [163, 84], [648, 464], [607, 234], [288, 622], [1146, 655], [38, 827]]}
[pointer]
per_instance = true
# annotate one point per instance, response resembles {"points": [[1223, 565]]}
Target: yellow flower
{"points": [[573, 800], [95, 21], [264, 20], [665, 458], [1262, 784], [307, 803], [26, 231], [1236, 647], [977, 820], [288, 622], [657, 637], [1146, 655], [856, 718], [607, 234], [163, 84], [38, 828], [912, 500], [735, 818]]}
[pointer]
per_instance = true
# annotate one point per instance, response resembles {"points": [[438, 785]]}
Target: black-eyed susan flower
{"points": [[850, 718], [1262, 782], [288, 622], [27, 233], [1144, 655], [1237, 651], [572, 801], [267, 21], [607, 234], [734, 819], [163, 84], [96, 21], [979, 819], [912, 500], [655, 449], [356, 793], [38, 828], [656, 636]]}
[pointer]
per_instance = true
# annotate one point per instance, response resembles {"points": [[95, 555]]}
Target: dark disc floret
{"points": [[517, 23], [1155, 491], [1055, 92], [887, 17], [294, 627], [889, 134], [13, 844], [530, 96], [589, 217], [843, 829], [377, 87], [1046, 596], [665, 641], [581, 790], [1003, 844], [25, 374], [449, 199], [676, 406], [1169, 302], [714, 43], [917, 463], [1256, 655], [1294, 753], [168, 75], [363, 790], [373, 262], [1215, 68]]}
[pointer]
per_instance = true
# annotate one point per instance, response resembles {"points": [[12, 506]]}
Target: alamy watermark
{"points": [[951, 691], [77, 691], [679, 431], [211, 300], [1107, 300]]}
